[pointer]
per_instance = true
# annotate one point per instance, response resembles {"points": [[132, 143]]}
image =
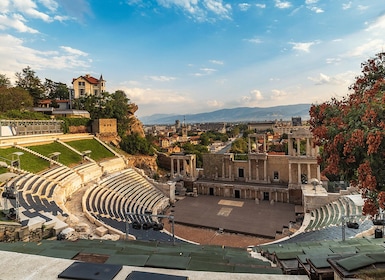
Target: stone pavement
{"points": [[24, 266]]}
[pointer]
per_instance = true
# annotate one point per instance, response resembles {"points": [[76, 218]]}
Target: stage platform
{"points": [[261, 219]]}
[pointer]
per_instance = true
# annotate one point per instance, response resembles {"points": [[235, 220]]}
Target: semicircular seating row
{"points": [[40, 194], [333, 213], [125, 195]]}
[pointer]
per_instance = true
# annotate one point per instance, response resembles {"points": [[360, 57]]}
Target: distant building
{"points": [[88, 85]]}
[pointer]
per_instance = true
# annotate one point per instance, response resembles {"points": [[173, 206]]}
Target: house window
{"points": [[81, 91], [276, 175]]}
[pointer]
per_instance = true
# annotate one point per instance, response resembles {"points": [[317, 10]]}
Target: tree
{"points": [[239, 146], [14, 98], [56, 90], [351, 132], [28, 80], [4, 81]]}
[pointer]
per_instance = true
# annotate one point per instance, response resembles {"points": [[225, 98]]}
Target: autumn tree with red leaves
{"points": [[351, 132]]}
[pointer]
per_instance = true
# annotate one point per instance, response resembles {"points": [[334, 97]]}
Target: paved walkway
{"points": [[32, 267]]}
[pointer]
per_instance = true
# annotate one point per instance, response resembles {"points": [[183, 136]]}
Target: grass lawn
{"points": [[28, 161], [98, 151], [66, 157]]}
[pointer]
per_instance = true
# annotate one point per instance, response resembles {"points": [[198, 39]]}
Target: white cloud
{"points": [[282, 4], [244, 6], [161, 78], [261, 6], [253, 99], [278, 94], [377, 25], [218, 8], [50, 4], [218, 62], [205, 72], [362, 8], [14, 56], [29, 8], [254, 40], [346, 6], [367, 49], [305, 47], [323, 79], [73, 51], [146, 96], [17, 22], [206, 10], [308, 2], [317, 10], [214, 104]]}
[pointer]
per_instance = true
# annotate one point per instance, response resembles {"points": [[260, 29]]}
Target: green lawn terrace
{"points": [[62, 151]]}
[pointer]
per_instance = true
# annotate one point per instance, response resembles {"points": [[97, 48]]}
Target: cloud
{"points": [[346, 6], [17, 22], [253, 99], [77, 9], [244, 6], [317, 10], [308, 2], [204, 72], [214, 104], [218, 62], [14, 56], [282, 4], [29, 8], [73, 51], [161, 78], [146, 96], [278, 95], [305, 47], [207, 10], [378, 24], [367, 49], [253, 40], [261, 6], [323, 79]]}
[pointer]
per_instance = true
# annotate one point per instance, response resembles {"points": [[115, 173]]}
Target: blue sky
{"points": [[192, 56]]}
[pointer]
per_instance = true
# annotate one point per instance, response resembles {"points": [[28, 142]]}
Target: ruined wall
{"points": [[11, 232], [212, 166]]}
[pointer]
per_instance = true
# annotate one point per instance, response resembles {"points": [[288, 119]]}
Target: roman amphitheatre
{"points": [[76, 187]]}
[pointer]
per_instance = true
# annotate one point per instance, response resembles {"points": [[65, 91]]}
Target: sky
{"points": [[194, 56]]}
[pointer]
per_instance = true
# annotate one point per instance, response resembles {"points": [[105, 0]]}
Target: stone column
{"points": [[290, 177], [256, 170], [265, 170], [298, 147], [299, 173], [249, 162]]}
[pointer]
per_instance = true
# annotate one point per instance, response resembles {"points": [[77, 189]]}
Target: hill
{"points": [[240, 114]]}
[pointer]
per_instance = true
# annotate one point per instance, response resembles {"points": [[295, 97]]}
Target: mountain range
{"points": [[240, 114]]}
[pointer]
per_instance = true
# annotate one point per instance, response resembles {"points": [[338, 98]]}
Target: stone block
{"points": [[101, 231]]}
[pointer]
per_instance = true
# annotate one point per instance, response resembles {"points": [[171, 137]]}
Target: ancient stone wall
{"points": [[11, 232]]}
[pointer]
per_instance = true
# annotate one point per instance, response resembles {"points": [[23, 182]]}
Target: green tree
{"points": [[4, 81], [28, 80], [56, 90], [351, 132], [14, 98], [239, 146], [136, 145], [198, 150]]}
